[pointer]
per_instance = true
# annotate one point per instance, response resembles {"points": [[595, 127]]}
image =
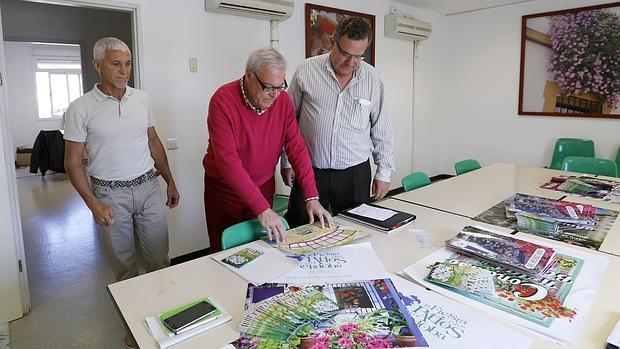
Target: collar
{"points": [[100, 96], [257, 110]]}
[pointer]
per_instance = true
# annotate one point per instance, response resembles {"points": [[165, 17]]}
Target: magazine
{"points": [[310, 238], [589, 236], [355, 314], [597, 188], [554, 305], [524, 256], [560, 211]]}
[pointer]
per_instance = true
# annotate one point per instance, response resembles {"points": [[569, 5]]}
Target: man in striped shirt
{"points": [[340, 108]]}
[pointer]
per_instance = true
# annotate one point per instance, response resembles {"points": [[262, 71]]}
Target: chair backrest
{"points": [[280, 203], [465, 166], [570, 147], [588, 165], [415, 180], [245, 232], [618, 161]]}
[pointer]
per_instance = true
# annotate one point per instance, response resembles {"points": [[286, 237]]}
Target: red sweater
{"points": [[244, 147]]}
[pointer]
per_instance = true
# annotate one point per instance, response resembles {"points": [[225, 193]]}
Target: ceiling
{"points": [[451, 7]]}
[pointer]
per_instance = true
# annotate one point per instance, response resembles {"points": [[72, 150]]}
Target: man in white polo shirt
{"points": [[113, 125]]}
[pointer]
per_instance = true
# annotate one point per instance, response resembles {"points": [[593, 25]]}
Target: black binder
{"points": [[396, 221]]}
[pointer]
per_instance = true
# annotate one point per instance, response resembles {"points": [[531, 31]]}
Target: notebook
{"points": [[377, 217]]}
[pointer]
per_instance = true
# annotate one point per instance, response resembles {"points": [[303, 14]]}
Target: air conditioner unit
{"points": [[273, 10], [406, 28]]}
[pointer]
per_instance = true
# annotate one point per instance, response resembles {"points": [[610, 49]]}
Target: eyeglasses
{"points": [[269, 88], [347, 55]]}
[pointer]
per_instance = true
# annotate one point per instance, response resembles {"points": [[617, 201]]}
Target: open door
{"points": [[14, 295]]}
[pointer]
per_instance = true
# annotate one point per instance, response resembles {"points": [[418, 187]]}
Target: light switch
{"points": [[193, 64], [172, 143]]}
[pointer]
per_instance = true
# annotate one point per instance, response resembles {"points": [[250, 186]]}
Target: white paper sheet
{"points": [[373, 212], [271, 264], [422, 238], [344, 263], [447, 324]]}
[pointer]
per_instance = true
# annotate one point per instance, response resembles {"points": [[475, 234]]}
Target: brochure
{"points": [[589, 236], [524, 256], [447, 324], [367, 313], [596, 188], [344, 263], [554, 305], [256, 262], [311, 238]]}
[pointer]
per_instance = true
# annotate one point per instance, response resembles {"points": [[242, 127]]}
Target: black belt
{"points": [[125, 184]]}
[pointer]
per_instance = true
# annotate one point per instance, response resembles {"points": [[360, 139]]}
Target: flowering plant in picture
{"points": [[586, 47], [349, 335]]}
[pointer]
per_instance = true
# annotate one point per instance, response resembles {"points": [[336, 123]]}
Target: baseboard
{"points": [[189, 256]]}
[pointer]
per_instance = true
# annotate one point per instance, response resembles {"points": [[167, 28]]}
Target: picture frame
{"points": [[321, 23], [568, 60]]}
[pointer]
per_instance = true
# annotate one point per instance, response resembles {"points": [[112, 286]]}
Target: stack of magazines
{"points": [[523, 256], [546, 215]]}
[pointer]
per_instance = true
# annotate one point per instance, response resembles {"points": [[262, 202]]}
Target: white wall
{"points": [[221, 43], [475, 82], [22, 108]]}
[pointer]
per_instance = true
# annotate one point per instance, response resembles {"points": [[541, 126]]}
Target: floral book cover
{"points": [[554, 305], [592, 187], [360, 314]]}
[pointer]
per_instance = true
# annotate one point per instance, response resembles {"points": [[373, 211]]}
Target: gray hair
{"points": [[109, 43], [266, 56]]}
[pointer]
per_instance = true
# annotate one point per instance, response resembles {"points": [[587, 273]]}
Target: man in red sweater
{"points": [[249, 122]]}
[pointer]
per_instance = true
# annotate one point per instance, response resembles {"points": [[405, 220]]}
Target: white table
{"points": [[474, 192], [165, 289]]}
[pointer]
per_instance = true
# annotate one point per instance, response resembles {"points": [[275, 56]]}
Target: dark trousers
{"points": [[224, 208], [338, 190]]}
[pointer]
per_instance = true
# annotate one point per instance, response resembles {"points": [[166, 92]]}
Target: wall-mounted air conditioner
{"points": [[273, 10], [406, 28]]}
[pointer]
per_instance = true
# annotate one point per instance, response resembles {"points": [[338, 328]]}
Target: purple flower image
{"points": [[586, 54]]}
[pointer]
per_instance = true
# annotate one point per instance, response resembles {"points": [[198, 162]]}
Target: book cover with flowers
{"points": [[360, 314], [554, 305]]}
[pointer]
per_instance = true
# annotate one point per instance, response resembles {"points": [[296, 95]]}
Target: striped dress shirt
{"points": [[342, 128]]}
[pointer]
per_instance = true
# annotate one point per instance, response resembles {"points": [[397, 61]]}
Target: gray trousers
{"points": [[139, 214]]}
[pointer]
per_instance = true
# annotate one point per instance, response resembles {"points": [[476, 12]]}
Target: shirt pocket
{"points": [[361, 114]]}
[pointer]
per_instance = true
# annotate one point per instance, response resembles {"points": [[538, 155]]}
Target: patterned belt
{"points": [[125, 184]]}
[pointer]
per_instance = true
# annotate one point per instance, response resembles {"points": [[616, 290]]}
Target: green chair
{"points": [[415, 180], [618, 161], [245, 232], [588, 165], [570, 147], [280, 203], [465, 166]]}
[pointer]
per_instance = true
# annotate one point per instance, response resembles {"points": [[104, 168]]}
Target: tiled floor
{"points": [[5, 342], [67, 271]]}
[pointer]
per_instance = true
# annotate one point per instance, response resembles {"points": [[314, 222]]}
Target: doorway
{"points": [[67, 270]]}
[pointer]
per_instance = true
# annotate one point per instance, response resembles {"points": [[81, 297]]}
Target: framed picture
{"points": [[321, 23], [570, 62]]}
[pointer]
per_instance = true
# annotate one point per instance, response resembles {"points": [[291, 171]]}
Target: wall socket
{"points": [[193, 64], [172, 143]]}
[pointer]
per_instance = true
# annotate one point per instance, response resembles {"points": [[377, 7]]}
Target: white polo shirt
{"points": [[114, 133]]}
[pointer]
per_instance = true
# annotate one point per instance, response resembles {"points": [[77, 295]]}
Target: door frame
{"points": [[16, 227]]}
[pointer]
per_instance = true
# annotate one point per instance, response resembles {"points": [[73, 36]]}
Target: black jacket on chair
{"points": [[48, 153]]}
